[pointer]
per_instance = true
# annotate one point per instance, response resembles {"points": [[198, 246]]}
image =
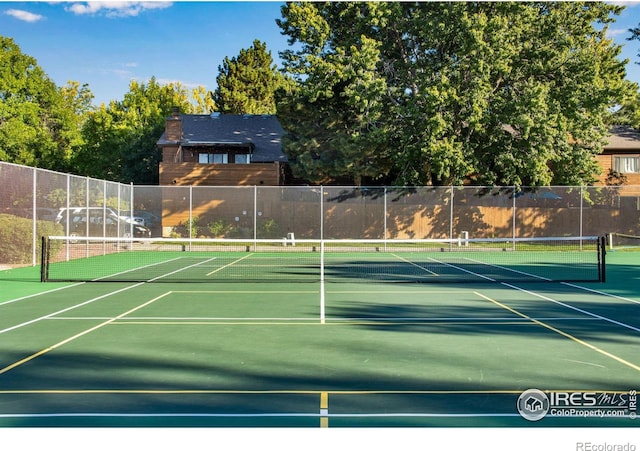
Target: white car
{"points": [[134, 220], [149, 218]]}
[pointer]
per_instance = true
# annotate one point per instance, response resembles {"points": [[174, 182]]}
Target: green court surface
{"points": [[312, 354]]}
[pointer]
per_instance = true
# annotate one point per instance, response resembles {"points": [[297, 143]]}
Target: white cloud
{"points": [[613, 32], [24, 15], [185, 84], [628, 3], [115, 9], [122, 73]]}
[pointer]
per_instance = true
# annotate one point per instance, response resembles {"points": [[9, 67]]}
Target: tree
{"points": [[99, 156], [120, 139], [247, 83], [635, 34], [495, 92], [38, 122], [629, 112]]}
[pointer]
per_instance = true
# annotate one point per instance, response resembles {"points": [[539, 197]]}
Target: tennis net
{"points": [[622, 241], [74, 259]]}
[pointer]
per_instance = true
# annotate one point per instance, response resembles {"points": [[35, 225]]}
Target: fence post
{"points": [[451, 214], [255, 217], [34, 217], [385, 233], [131, 210], [190, 215], [514, 215], [581, 209]]}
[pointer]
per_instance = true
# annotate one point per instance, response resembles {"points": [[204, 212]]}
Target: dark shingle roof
{"points": [[623, 138], [263, 131]]}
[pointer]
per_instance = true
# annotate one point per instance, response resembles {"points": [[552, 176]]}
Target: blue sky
{"points": [[108, 44]]}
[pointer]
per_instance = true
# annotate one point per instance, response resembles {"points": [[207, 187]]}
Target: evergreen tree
{"points": [[247, 83]]}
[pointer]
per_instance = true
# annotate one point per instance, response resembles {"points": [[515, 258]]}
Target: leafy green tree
{"points": [[99, 156], [502, 93], [628, 112], [247, 83], [120, 139], [203, 100], [38, 122]]}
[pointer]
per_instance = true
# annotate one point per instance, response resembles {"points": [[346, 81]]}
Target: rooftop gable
{"points": [[263, 132], [623, 138]]}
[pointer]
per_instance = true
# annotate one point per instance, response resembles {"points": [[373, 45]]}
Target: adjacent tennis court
{"points": [[326, 334]]}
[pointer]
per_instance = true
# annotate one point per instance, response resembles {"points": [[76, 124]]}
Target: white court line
{"points": [[253, 415], [17, 326], [603, 293], [415, 264], [50, 315], [504, 268], [463, 270], [10, 301], [78, 335], [226, 266], [137, 268], [586, 312], [533, 293], [183, 269]]}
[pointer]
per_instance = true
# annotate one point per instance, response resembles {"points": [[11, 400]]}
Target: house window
{"points": [[627, 165], [217, 158], [242, 158]]}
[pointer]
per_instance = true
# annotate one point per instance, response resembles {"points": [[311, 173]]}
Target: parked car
{"points": [[150, 219], [98, 221], [135, 220]]}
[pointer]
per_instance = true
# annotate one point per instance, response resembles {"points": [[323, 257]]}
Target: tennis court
{"points": [[251, 338]]}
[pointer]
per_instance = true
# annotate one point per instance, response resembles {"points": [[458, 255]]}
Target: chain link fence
{"points": [[37, 202]]}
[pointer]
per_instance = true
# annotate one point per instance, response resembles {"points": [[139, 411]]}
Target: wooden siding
{"points": [[606, 163], [219, 174]]}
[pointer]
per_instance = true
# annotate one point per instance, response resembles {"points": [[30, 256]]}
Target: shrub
{"points": [[189, 228], [219, 228], [16, 238], [269, 229]]}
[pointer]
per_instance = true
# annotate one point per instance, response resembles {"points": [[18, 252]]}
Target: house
{"points": [[221, 150], [235, 150], [534, 404], [621, 157]]}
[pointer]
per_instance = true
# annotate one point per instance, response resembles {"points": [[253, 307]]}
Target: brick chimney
{"points": [[174, 126]]}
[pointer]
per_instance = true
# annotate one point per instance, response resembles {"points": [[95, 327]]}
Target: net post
{"points": [[602, 252], [44, 259]]}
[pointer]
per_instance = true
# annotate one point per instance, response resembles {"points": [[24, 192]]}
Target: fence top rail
{"points": [[318, 240]]}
